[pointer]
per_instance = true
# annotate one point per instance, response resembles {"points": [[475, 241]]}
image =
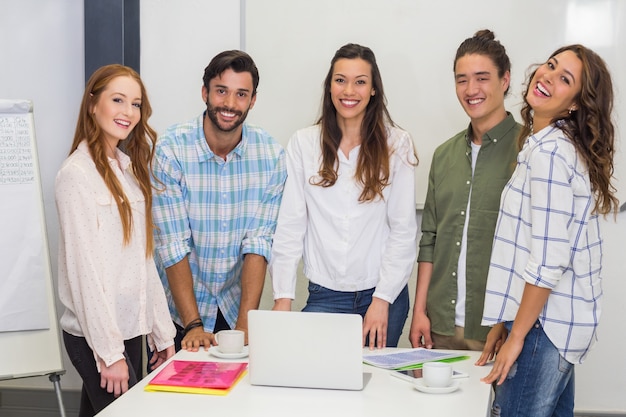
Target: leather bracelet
{"points": [[193, 324]]}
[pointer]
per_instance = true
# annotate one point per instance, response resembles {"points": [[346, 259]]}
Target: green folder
{"points": [[448, 360]]}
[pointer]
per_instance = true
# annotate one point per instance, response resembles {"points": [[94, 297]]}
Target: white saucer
{"points": [[213, 350], [419, 385]]}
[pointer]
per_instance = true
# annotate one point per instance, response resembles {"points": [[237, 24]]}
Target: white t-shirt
{"points": [[461, 269]]}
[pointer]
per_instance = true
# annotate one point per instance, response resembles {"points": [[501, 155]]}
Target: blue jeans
{"points": [[324, 300], [540, 383]]}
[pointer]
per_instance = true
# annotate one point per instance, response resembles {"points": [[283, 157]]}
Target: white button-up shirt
{"points": [[346, 245]]}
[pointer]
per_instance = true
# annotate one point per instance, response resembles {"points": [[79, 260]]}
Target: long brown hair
{"points": [[139, 146], [372, 170], [589, 127]]}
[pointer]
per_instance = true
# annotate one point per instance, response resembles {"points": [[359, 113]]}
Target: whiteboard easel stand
{"points": [[55, 378], [19, 162]]}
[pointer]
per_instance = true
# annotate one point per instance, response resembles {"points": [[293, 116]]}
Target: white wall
{"points": [[178, 39], [415, 42]]}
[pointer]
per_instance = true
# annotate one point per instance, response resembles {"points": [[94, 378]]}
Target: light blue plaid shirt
{"points": [[215, 211], [546, 236]]}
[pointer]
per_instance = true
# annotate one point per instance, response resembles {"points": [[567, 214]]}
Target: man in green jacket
{"points": [[467, 175]]}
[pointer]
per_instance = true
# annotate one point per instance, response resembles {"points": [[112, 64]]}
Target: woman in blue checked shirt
{"points": [[544, 285], [348, 207]]}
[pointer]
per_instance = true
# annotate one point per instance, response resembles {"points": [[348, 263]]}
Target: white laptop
{"points": [[305, 350]]}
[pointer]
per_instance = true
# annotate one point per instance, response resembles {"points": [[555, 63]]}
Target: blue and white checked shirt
{"points": [[215, 211], [547, 236]]}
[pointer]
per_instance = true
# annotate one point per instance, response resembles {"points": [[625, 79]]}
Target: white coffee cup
{"points": [[230, 341], [437, 374]]}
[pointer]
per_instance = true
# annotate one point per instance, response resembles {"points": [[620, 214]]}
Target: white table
{"points": [[384, 395]]}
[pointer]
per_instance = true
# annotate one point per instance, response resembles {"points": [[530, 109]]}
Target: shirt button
{"points": [[468, 183], [453, 301], [495, 140], [458, 243], [462, 213], [454, 274]]}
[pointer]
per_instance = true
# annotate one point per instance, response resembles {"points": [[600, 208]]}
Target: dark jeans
{"points": [[93, 398], [324, 300]]}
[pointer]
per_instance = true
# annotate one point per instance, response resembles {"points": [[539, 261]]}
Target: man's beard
{"points": [[212, 113]]}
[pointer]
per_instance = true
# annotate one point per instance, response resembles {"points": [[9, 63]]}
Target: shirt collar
{"points": [[124, 160], [497, 132], [204, 151]]}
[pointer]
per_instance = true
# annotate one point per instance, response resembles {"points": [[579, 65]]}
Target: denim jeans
{"points": [[540, 383], [322, 299], [93, 398]]}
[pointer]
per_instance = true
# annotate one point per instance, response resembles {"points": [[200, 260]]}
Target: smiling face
{"points": [[351, 88], [118, 110], [554, 87], [228, 99], [480, 90]]}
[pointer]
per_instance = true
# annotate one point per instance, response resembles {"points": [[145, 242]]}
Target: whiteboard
{"points": [[293, 41], [29, 337]]}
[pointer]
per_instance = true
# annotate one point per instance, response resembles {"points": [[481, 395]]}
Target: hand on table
{"points": [[375, 323], [506, 357], [495, 339], [420, 331], [505, 350], [197, 337]]}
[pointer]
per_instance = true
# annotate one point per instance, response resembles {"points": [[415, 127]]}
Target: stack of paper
{"points": [[216, 378], [410, 359]]}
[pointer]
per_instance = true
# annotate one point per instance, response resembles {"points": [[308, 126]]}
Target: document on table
{"points": [[409, 358], [215, 378]]}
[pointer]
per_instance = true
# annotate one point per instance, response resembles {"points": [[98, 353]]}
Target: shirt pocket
{"points": [[488, 197]]}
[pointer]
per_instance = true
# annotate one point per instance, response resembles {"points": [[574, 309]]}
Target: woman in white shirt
{"points": [[348, 208], [108, 281]]}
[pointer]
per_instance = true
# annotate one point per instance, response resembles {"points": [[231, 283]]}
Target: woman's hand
{"points": [[505, 359], [114, 378], [159, 357], [495, 339], [375, 323]]}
